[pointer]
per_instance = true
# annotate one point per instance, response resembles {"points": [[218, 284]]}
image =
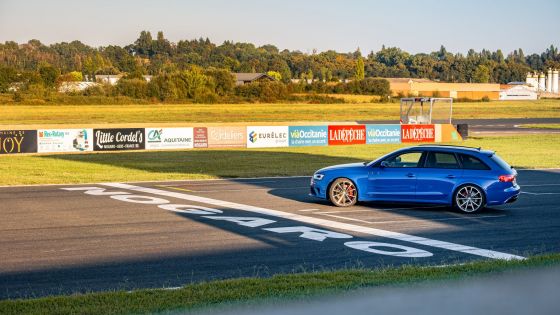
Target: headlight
{"points": [[318, 176]]}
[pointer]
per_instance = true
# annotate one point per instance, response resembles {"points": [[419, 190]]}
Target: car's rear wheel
{"points": [[343, 193], [469, 198]]}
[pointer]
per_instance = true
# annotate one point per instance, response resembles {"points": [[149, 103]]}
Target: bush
{"points": [[264, 91], [135, 88]]}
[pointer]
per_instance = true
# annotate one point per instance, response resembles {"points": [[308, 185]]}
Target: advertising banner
{"points": [[343, 135], [418, 133], [308, 136], [267, 136], [18, 141], [200, 137], [64, 140], [226, 137], [383, 134], [169, 138], [447, 133], [118, 139]]}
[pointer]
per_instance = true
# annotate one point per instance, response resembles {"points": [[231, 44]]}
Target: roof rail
{"points": [[451, 145]]}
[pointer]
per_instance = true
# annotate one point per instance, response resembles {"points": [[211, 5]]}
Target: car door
{"points": [[394, 179], [439, 176]]}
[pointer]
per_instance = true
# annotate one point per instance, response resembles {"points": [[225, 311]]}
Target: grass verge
{"points": [[541, 126], [292, 286], [185, 114], [523, 151]]}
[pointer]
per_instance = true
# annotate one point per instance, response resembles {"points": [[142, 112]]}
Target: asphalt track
{"points": [[502, 127], [109, 236]]}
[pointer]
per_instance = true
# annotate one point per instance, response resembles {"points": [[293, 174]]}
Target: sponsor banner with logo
{"points": [[169, 138], [64, 140], [226, 137], [383, 134], [200, 137], [418, 133], [118, 139], [350, 134], [18, 141], [308, 136], [267, 136]]}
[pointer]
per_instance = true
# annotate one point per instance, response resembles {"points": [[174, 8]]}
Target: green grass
{"points": [[525, 151], [541, 126], [37, 116], [254, 290]]}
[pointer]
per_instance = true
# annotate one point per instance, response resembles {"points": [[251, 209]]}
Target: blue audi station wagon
{"points": [[466, 178]]}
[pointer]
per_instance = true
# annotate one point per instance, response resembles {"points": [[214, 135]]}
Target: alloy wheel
{"points": [[469, 199], [343, 193]]}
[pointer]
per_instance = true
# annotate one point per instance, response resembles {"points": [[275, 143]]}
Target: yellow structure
{"points": [[428, 88]]}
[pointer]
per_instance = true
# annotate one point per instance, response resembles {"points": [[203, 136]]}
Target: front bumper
{"points": [[318, 189]]}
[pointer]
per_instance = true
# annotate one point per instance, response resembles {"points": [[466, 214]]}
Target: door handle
{"points": [[450, 176], [409, 175]]}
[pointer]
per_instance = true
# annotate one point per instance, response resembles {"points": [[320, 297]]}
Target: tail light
{"points": [[506, 178]]}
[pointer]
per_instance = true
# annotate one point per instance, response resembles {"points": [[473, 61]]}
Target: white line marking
{"points": [[442, 219], [545, 193], [322, 222], [411, 220], [245, 189], [540, 185], [381, 209], [234, 182]]}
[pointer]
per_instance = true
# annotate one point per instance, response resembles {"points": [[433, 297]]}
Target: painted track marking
{"points": [[411, 220], [322, 222], [233, 190]]}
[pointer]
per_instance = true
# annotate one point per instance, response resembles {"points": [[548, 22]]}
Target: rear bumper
{"points": [[508, 195]]}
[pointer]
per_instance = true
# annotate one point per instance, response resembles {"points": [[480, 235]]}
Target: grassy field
{"points": [[253, 290], [530, 151], [541, 126], [189, 114]]}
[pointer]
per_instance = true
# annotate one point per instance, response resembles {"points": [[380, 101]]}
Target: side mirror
{"points": [[384, 164]]}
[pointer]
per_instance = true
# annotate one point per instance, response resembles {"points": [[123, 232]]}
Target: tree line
{"points": [[44, 66]]}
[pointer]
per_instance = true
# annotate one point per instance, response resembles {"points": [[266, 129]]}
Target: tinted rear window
{"points": [[441, 160], [470, 162], [503, 164]]}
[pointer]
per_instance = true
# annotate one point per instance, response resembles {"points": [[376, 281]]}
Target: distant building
{"points": [[511, 92], [429, 88], [69, 87], [108, 78], [245, 78], [114, 78]]}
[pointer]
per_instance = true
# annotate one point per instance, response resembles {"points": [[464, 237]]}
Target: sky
{"points": [[305, 25]]}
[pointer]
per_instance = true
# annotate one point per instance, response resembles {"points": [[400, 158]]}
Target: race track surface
{"points": [[497, 127], [81, 238]]}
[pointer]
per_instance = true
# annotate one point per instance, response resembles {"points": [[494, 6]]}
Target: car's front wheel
{"points": [[343, 193], [469, 198]]}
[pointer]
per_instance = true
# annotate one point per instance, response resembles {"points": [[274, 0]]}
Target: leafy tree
{"points": [[49, 74], [360, 69], [8, 75], [275, 74], [481, 74]]}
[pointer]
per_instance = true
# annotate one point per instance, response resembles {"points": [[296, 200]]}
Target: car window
{"points": [[409, 159], [472, 163], [503, 164], [441, 160]]}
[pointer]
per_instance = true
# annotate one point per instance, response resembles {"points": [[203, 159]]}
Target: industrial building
{"points": [[546, 84], [425, 87]]}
